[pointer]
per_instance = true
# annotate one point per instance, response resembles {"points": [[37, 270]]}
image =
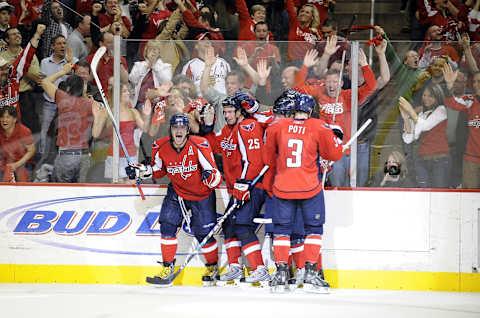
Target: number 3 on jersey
{"points": [[297, 147]]}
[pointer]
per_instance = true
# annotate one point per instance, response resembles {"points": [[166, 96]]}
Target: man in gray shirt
{"points": [[76, 39], [48, 66]]}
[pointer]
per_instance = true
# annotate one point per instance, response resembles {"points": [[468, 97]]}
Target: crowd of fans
{"points": [[187, 56]]}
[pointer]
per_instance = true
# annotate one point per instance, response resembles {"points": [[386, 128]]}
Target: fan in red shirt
{"points": [[114, 14], [469, 104], [16, 147], [326, 95], [189, 164], [303, 30], [247, 22], [294, 145]]}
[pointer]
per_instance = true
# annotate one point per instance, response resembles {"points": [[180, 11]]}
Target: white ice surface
{"points": [[118, 301]]}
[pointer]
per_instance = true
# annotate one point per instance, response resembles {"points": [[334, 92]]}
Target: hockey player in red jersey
{"points": [[294, 146], [283, 108], [241, 144], [189, 164]]}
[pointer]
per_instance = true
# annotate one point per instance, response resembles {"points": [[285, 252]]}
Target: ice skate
{"points": [[165, 277], [278, 284], [321, 274], [313, 283], [210, 276], [297, 281], [232, 276], [259, 277]]}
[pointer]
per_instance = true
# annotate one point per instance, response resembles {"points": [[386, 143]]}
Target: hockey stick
{"points": [[345, 147], [154, 280], [354, 17], [262, 221], [96, 58]]}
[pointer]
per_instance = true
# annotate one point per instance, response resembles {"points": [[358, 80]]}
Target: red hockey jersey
{"points": [[9, 94], [184, 168], [471, 106], [294, 147], [241, 148]]}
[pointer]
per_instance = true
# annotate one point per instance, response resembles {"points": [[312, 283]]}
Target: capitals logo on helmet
{"points": [[179, 120], [304, 103], [284, 106], [247, 102]]}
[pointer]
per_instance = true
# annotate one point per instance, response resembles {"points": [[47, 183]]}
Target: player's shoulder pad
{"points": [[247, 125], [200, 142], [160, 142], [264, 117]]}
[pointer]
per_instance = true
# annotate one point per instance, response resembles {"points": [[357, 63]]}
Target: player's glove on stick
{"points": [[211, 178], [337, 131], [138, 170], [241, 190]]}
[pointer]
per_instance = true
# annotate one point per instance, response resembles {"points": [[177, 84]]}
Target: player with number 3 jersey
{"points": [[294, 146]]}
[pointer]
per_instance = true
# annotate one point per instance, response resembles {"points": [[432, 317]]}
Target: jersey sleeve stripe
{"points": [[23, 61], [243, 152]]}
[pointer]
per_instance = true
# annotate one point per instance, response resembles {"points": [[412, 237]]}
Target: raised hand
{"points": [[408, 108], [449, 75], [381, 48], [210, 57], [310, 58], [40, 29], [69, 55], [147, 108], [331, 46], [241, 59], [362, 58], [263, 71], [164, 89], [465, 40], [67, 67]]}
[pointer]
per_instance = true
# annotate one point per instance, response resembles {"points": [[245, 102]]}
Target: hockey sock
{"points": [[234, 252], [313, 242], [253, 253], [281, 248], [169, 248], [319, 261], [298, 254], [210, 251]]}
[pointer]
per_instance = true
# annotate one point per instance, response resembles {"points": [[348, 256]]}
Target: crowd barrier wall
{"points": [[374, 239]]}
